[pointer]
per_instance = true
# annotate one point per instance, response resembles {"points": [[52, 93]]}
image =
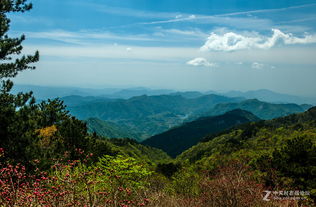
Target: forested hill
{"points": [[178, 139], [281, 151], [143, 106], [254, 138], [261, 109]]}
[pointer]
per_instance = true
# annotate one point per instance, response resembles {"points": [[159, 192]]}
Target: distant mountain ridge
{"points": [[271, 96], [45, 92], [178, 139], [261, 109], [50, 92]]}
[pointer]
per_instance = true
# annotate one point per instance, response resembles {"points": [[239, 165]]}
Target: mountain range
{"points": [[116, 113], [45, 92], [146, 115]]}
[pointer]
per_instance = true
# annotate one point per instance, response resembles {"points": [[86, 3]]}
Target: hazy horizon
{"points": [[196, 45], [118, 88]]}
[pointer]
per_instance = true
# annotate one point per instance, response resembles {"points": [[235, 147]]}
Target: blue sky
{"points": [[186, 45]]}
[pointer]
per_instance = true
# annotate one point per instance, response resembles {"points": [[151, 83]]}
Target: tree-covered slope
{"points": [[131, 148], [261, 109], [178, 139], [255, 137], [282, 151], [109, 129]]}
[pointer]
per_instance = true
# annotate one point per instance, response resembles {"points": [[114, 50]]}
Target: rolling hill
{"points": [[261, 109], [178, 139]]}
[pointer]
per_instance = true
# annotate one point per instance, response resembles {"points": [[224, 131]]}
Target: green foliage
{"points": [[294, 163], [185, 182], [126, 171], [129, 147]]}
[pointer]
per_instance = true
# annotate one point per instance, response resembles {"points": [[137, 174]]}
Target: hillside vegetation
{"points": [[178, 139], [109, 129], [282, 151], [261, 109]]}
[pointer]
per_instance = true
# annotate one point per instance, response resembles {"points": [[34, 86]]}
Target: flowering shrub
{"points": [[17, 188], [71, 184]]}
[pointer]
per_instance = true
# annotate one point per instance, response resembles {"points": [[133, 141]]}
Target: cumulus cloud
{"points": [[232, 41], [257, 65], [201, 62]]}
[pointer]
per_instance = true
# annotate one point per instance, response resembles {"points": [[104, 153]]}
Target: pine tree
{"points": [[11, 47], [16, 111]]}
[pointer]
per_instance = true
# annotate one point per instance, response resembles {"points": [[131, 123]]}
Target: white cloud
{"points": [[83, 37], [201, 62], [232, 41], [128, 49], [193, 32], [256, 65]]}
